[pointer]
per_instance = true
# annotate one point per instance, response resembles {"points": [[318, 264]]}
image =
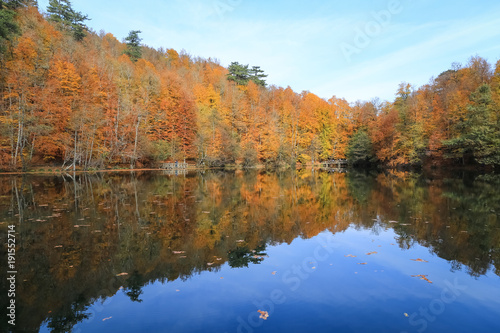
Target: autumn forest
{"points": [[81, 99]]}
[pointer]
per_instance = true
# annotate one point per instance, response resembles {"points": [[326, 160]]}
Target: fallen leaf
{"points": [[107, 318], [370, 253], [121, 274], [406, 315], [422, 277], [393, 222], [362, 263], [273, 273], [178, 252], [263, 314], [419, 260], [350, 255], [57, 246]]}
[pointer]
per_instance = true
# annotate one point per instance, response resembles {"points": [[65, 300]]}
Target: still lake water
{"points": [[204, 252]]}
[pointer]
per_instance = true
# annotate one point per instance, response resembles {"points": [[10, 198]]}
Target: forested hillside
{"points": [[76, 98]]}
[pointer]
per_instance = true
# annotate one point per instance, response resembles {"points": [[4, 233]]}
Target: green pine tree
{"points": [[242, 75], [61, 13], [133, 45], [257, 75], [238, 73]]}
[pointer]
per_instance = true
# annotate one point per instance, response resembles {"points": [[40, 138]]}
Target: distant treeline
{"points": [[77, 98]]}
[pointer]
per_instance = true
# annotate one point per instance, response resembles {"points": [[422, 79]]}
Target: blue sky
{"points": [[352, 49]]}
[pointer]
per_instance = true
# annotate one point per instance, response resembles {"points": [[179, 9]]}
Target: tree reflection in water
{"points": [[77, 234]]}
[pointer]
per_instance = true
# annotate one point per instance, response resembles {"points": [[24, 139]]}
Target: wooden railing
{"points": [[174, 166], [340, 163]]}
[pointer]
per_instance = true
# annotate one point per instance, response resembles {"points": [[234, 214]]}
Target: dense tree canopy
{"points": [[75, 98]]}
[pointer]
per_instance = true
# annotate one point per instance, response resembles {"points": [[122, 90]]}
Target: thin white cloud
{"points": [[411, 62]]}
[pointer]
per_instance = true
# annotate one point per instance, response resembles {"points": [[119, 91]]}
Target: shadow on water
{"points": [[83, 239]]}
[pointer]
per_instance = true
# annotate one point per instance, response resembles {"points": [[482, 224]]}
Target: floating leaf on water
{"points": [[406, 315], [273, 273], [393, 222], [107, 318], [422, 277], [210, 263], [240, 241], [350, 255], [419, 260], [370, 253], [121, 274], [57, 246], [263, 314], [362, 263], [178, 252]]}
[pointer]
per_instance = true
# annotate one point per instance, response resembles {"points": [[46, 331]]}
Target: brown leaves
{"points": [[263, 314], [422, 277], [121, 274], [362, 263], [370, 253], [419, 260], [350, 256]]}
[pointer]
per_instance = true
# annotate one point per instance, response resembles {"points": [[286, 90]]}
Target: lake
{"points": [[253, 251]]}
